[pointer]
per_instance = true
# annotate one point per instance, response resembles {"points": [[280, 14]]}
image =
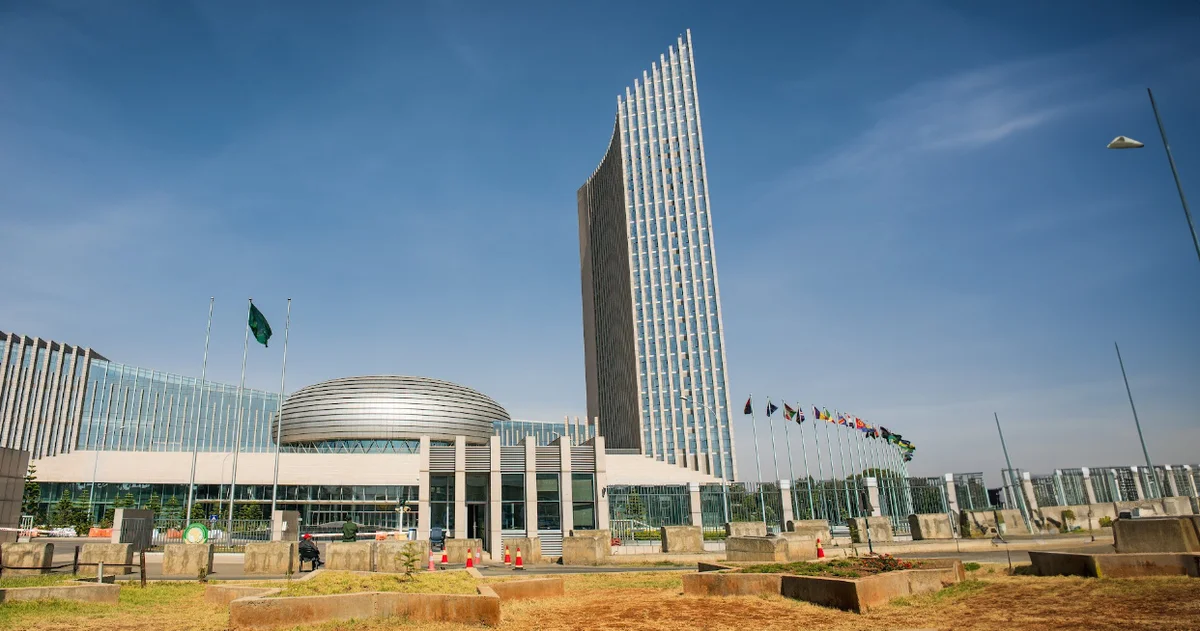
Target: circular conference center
{"points": [[393, 452]]}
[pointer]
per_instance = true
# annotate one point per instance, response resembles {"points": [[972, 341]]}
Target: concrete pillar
{"points": [[873, 496], [423, 511], [601, 482], [1089, 491], [1191, 478], [1137, 484], [460, 487], [1030, 497], [1059, 492], [531, 529], [1171, 484], [694, 503], [785, 496], [285, 525], [566, 493], [951, 493], [494, 492]]}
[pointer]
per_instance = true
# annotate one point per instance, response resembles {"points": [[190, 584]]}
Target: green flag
{"points": [[258, 324]]}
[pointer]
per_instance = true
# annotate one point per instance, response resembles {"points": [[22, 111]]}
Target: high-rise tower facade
{"points": [[653, 336]]}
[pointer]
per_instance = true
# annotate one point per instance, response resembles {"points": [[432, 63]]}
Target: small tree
{"points": [[199, 511], [154, 504], [409, 555], [31, 500], [250, 512], [1068, 516], [123, 501], [81, 513], [110, 514], [172, 510], [60, 513]]}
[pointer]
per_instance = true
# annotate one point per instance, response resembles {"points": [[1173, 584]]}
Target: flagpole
{"points": [[771, 429], [837, 505], [1018, 495], [804, 452], [859, 473], [866, 462], [757, 465], [187, 516], [279, 417], [1150, 467], [842, 453], [787, 440], [237, 437], [820, 467]]}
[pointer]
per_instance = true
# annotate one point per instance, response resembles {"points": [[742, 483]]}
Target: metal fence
{"points": [[971, 491], [636, 512], [1070, 487], [740, 501], [1044, 490], [224, 536]]}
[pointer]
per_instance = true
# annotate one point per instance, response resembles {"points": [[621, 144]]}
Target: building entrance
{"points": [[477, 508]]}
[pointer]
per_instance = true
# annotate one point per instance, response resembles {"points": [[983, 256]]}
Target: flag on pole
{"points": [[825, 415], [259, 326], [816, 414], [771, 407], [788, 412], [748, 409], [799, 417]]}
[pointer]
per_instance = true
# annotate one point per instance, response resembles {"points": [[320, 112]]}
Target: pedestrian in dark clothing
{"points": [[309, 551], [349, 532]]}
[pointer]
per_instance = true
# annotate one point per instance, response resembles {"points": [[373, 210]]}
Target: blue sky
{"points": [[916, 219]]}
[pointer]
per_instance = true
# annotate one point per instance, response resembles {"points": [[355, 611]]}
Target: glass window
{"points": [[512, 507], [548, 512], [477, 487]]}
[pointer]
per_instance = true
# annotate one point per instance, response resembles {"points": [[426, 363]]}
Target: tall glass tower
{"points": [[653, 336]]}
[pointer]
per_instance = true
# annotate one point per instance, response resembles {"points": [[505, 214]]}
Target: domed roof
{"points": [[388, 407]]}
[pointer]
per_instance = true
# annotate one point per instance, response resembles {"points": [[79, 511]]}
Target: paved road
{"points": [[1000, 554]]}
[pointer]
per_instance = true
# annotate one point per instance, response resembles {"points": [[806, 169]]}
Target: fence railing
{"points": [[636, 512]]}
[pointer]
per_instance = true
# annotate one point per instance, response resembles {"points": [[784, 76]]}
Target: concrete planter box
{"points": [[849, 594], [32, 555], [682, 539], [1157, 534], [254, 611], [79, 592], [1115, 565]]}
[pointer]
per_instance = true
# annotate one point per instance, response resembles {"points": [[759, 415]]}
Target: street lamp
{"points": [[1124, 142]]}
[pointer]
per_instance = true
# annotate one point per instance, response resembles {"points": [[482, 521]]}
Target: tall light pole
{"points": [[1123, 142], [1015, 485], [1153, 479]]}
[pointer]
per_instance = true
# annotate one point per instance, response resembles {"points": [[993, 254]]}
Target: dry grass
{"points": [[453, 582], [35, 580], [654, 600]]}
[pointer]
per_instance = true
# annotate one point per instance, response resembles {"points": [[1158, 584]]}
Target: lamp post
{"points": [[1124, 142]]}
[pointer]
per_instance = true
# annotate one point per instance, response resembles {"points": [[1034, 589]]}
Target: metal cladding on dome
{"points": [[388, 407]]}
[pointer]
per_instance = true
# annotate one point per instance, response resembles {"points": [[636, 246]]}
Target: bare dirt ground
{"points": [[652, 601]]}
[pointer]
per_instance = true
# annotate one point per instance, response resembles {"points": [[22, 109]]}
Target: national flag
{"points": [[884, 433], [859, 424], [825, 415], [788, 412], [816, 414], [799, 417], [771, 407], [259, 326], [748, 409]]}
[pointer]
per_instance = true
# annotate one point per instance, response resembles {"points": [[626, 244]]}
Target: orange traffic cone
{"points": [[820, 550], [507, 558], [470, 558], [519, 565], [478, 556], [445, 559], [431, 568]]}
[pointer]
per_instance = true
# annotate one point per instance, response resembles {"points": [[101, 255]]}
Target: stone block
{"points": [[29, 555], [587, 547], [222, 595], [525, 590], [801, 547], [1177, 505], [389, 555], [262, 613], [682, 539], [456, 549], [757, 549], [111, 555], [745, 529], [531, 549], [930, 526], [78, 592], [721, 584], [881, 529], [278, 558], [356, 557], [1128, 565], [186, 560], [869, 592], [1157, 534], [815, 528]]}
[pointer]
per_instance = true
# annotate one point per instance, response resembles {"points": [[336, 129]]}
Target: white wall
{"points": [[639, 469]]}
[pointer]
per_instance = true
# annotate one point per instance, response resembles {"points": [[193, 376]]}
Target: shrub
{"points": [[971, 566], [1068, 515], [1106, 522], [884, 563]]}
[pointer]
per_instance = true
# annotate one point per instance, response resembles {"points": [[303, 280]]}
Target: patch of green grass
{"points": [[450, 582], [971, 566], [35, 580], [841, 568], [951, 593]]}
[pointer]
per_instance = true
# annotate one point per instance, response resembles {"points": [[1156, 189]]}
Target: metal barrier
{"points": [[971, 491], [636, 512], [75, 564]]}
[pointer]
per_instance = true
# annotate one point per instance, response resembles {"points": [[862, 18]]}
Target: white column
{"points": [[873, 496], [601, 483], [1089, 491], [1191, 479], [531, 529], [565, 492], [1030, 497], [1171, 484], [694, 503], [1137, 484], [494, 497], [423, 513], [460, 487], [951, 493], [785, 496]]}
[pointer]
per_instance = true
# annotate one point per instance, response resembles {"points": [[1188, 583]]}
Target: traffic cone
{"points": [[445, 559], [478, 556], [470, 558], [519, 565], [820, 550], [431, 568], [507, 557]]}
